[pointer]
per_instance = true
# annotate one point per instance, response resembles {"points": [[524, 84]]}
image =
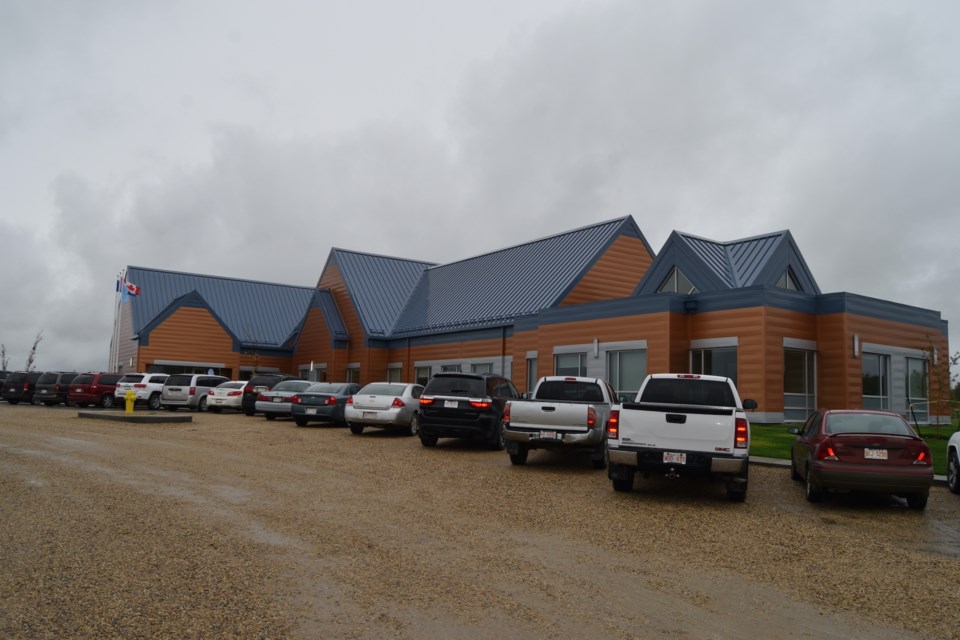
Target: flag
{"points": [[128, 289]]}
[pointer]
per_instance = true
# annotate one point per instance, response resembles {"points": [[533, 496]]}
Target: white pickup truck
{"points": [[681, 424], [564, 411]]}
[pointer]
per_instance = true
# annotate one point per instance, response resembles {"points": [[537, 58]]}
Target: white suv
{"points": [[148, 387]]}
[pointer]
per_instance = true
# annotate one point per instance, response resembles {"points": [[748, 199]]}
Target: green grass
{"points": [[773, 441]]}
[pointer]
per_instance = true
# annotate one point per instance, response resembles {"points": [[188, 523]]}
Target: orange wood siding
{"points": [[314, 345], [747, 325], [839, 384], [192, 335], [615, 275], [780, 324], [356, 352]]}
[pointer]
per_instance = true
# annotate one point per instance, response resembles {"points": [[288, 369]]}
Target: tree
{"points": [[4, 363], [33, 351]]}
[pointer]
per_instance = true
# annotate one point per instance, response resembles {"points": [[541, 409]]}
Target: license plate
{"points": [[310, 411], [217, 400], [451, 404], [277, 400], [669, 457], [549, 435], [174, 392], [875, 454], [369, 414]]}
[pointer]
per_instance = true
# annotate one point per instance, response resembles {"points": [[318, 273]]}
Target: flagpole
{"points": [[115, 355]]}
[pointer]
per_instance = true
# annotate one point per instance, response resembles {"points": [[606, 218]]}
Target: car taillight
{"points": [[262, 397], [139, 386], [234, 393], [350, 400], [209, 392], [481, 404], [248, 390], [826, 452], [397, 403], [506, 412], [330, 401], [613, 425], [295, 400], [688, 376], [26, 386], [426, 401], [56, 387], [193, 391], [741, 438], [591, 417], [923, 458]]}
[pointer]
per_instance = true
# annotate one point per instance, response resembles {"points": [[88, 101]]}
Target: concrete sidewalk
{"points": [[778, 462]]}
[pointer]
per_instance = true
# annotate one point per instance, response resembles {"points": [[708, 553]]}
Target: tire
{"points": [[497, 441], [248, 412], [106, 402], [170, 407], [270, 416], [917, 501], [202, 404], [812, 493], [737, 491], [623, 485], [794, 474], [13, 401], [356, 429], [214, 409], [599, 458], [428, 439], [520, 457], [153, 403], [50, 404], [301, 422], [415, 425], [953, 472]]}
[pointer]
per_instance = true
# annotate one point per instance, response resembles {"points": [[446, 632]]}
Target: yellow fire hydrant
{"points": [[130, 397]]}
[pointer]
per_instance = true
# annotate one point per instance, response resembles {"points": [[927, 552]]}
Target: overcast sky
{"points": [[246, 139]]}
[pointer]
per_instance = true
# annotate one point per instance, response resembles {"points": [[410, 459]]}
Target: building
{"points": [[593, 301]]}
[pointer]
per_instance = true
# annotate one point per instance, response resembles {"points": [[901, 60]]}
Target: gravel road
{"points": [[236, 527]]}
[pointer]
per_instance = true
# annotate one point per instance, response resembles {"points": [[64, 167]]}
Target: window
{"points": [[353, 375], [570, 364], [626, 371], [799, 384], [788, 281], [421, 375], [455, 368], [481, 367], [531, 374], [876, 381], [394, 374], [917, 389], [715, 362], [676, 282]]}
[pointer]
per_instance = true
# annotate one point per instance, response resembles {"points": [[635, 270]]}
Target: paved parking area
{"points": [[236, 527]]}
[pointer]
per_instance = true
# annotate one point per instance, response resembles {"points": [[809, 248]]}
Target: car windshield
{"points": [[48, 378], [325, 387], [710, 393], [291, 385], [866, 423], [456, 386], [383, 389], [131, 377], [232, 385]]}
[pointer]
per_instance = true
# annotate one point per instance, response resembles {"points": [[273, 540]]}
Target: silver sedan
{"points": [[276, 401], [385, 405]]}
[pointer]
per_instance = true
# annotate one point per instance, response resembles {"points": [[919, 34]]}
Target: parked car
{"points": [[19, 386], [465, 405], [228, 395], [275, 403], [861, 450], [188, 390], [147, 386], [256, 385], [953, 463], [93, 388], [385, 405], [52, 387], [322, 402]]}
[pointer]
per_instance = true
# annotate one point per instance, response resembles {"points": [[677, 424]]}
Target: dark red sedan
{"points": [[861, 450]]}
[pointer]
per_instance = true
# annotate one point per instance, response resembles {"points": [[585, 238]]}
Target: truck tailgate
{"points": [[696, 428], [536, 414]]}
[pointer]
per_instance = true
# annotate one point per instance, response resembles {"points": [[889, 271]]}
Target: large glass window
{"points": [[450, 368], [570, 364], [353, 375], [625, 371], [531, 374], [917, 396], [799, 384], [421, 375], [715, 362], [876, 381], [394, 374], [676, 282], [481, 367]]}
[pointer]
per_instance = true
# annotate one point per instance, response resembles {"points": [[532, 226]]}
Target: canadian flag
{"points": [[131, 289]]}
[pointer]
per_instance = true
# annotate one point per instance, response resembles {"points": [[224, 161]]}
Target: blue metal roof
{"points": [[738, 263], [323, 299], [257, 313], [379, 286], [494, 288]]}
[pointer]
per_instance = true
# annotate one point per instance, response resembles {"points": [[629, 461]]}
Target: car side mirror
{"points": [[749, 404], [793, 431]]}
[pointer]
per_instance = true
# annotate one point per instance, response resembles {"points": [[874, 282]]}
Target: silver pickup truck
{"points": [[681, 424], [565, 411]]}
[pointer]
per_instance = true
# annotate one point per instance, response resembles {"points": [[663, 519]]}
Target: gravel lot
{"points": [[235, 527]]}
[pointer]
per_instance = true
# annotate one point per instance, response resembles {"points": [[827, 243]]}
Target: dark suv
{"points": [[257, 384], [93, 388], [52, 387], [19, 386], [465, 405]]}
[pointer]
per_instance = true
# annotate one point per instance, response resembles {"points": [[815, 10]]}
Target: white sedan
{"points": [[953, 463], [384, 404], [228, 395]]}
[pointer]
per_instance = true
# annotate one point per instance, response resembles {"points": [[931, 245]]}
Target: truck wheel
{"points": [[356, 429], [428, 439], [520, 457], [624, 485], [599, 458], [497, 441]]}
